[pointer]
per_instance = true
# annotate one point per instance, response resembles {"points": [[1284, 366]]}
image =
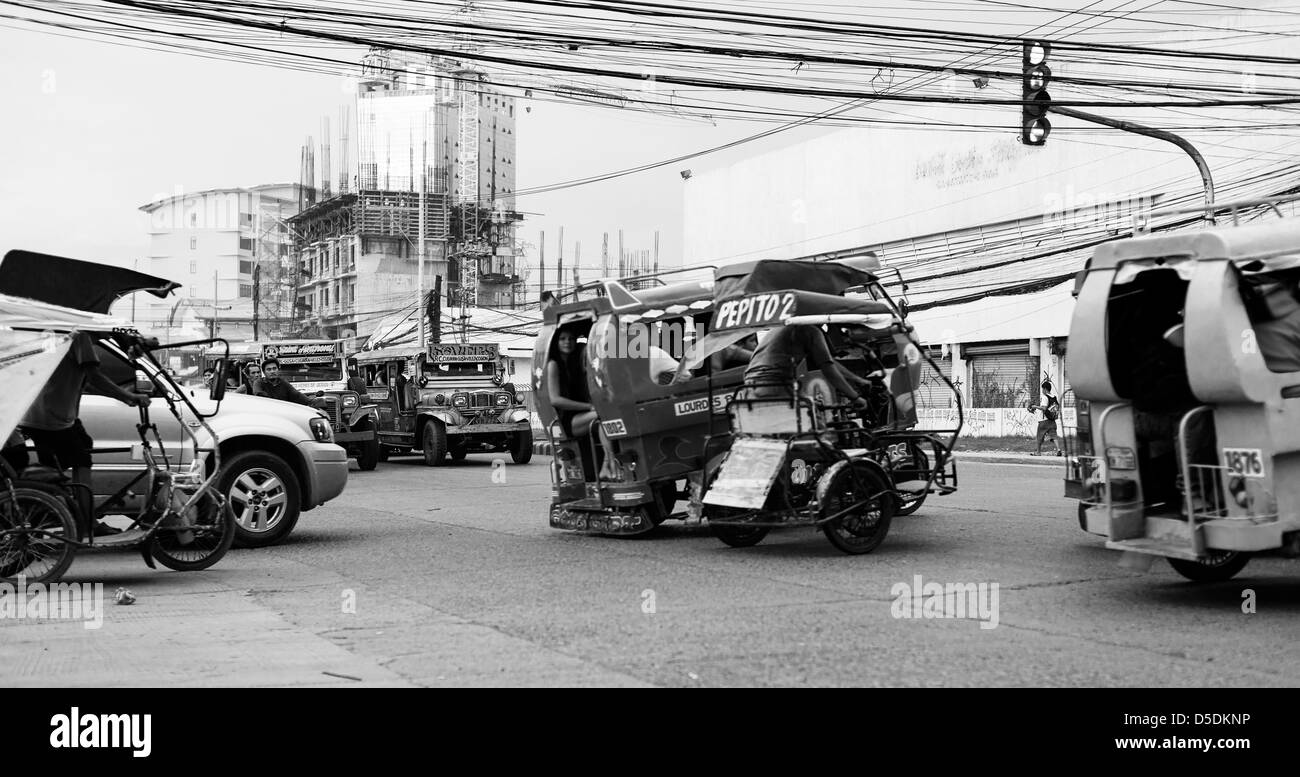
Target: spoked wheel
{"points": [[1221, 565], [864, 502], [918, 470], [36, 536], [197, 540]]}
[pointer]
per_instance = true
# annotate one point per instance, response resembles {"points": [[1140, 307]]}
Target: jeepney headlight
{"points": [[519, 399], [503, 400], [349, 400], [460, 400], [320, 428]]}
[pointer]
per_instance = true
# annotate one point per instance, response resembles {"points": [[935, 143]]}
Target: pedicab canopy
{"points": [[43, 299], [72, 283]]}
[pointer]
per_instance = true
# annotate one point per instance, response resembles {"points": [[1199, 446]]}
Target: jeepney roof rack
{"points": [[1142, 219]]}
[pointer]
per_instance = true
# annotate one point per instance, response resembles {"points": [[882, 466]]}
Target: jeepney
{"points": [[318, 368], [448, 399], [1186, 369]]}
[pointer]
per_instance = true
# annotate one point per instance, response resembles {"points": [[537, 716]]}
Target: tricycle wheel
{"points": [[1221, 565], [739, 536], [733, 535], [862, 501], [919, 470], [36, 535], [188, 546]]}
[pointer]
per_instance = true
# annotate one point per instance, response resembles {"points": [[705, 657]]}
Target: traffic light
{"points": [[1034, 126]]}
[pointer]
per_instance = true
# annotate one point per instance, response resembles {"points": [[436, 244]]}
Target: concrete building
{"points": [[435, 166], [223, 246]]}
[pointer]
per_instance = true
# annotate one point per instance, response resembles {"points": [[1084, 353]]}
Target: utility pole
{"points": [[212, 325], [622, 261], [541, 264], [257, 289], [435, 311], [656, 252], [424, 169], [604, 255], [559, 266]]}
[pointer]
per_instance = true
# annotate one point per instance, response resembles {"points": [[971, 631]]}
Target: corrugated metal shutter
{"points": [[933, 392], [1000, 380]]}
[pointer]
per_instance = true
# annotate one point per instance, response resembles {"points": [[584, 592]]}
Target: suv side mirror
{"points": [[218, 388], [902, 309]]}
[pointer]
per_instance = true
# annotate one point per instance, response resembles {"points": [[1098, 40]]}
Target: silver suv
{"points": [[277, 458]]}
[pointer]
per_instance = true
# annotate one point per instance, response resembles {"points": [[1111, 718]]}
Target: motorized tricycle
{"points": [[447, 399], [625, 473], [797, 456], [183, 521], [1185, 363]]}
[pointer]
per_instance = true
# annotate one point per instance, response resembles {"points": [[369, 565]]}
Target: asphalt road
{"points": [[450, 577]]}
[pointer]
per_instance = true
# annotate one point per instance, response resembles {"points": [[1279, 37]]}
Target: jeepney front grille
{"points": [[481, 399], [333, 410]]}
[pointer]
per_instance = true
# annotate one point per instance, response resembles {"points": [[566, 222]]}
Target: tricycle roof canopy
{"points": [[737, 280], [1275, 245], [72, 283]]}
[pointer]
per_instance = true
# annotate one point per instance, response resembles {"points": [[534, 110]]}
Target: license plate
{"points": [[1247, 462]]}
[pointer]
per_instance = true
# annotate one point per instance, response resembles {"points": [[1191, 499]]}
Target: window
{"points": [[245, 244], [194, 219], [245, 267], [194, 243], [246, 290], [352, 256], [194, 267]]}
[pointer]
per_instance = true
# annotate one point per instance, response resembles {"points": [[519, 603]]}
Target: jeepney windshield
{"points": [[460, 369], [305, 373]]}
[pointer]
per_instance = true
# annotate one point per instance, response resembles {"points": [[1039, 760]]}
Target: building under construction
{"points": [[434, 180]]}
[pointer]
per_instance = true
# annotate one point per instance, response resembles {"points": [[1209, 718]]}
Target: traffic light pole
{"points": [[1152, 132]]}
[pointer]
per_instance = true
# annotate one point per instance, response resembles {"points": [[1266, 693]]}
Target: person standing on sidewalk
{"points": [[1050, 407]]}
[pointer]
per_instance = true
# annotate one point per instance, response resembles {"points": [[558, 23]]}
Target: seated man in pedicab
{"points": [[775, 365], [53, 421]]}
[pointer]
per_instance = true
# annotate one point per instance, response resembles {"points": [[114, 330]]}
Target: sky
{"points": [[92, 131]]}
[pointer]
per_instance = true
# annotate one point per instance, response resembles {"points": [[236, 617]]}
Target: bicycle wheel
{"points": [[36, 536], [197, 543]]}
